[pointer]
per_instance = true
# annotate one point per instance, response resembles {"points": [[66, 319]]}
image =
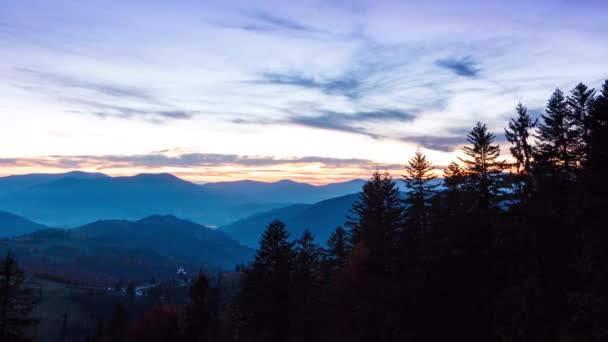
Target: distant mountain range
{"points": [[12, 225], [75, 198], [104, 251], [320, 219]]}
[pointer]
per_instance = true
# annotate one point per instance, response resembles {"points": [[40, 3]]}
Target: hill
{"points": [[12, 225], [285, 191], [73, 199], [320, 219], [104, 251]]}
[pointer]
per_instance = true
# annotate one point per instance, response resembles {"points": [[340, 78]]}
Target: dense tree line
{"points": [[502, 251]]}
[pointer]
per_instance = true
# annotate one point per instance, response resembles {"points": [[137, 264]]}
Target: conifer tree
{"points": [[596, 163], [377, 219], [518, 134], [483, 167], [198, 318], [557, 147], [454, 177], [420, 189], [266, 298], [307, 260], [580, 103], [338, 248], [16, 300]]}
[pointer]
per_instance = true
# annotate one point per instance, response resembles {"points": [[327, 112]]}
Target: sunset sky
{"points": [[316, 91]]}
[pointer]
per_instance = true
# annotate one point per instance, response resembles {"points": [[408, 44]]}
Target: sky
{"points": [[314, 91]]}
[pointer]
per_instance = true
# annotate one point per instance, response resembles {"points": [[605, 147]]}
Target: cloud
{"points": [[464, 66], [437, 143], [64, 81], [348, 86], [190, 160], [105, 110], [274, 22], [351, 122]]}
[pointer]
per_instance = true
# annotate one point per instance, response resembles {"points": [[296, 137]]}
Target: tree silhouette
{"points": [[16, 300], [338, 248], [484, 170], [266, 298], [557, 147], [580, 103], [377, 219], [418, 180], [518, 134]]}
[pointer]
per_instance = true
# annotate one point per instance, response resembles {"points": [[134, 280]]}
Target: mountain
{"points": [[73, 199], [12, 225], [13, 184], [69, 202], [285, 191], [104, 251], [320, 219]]}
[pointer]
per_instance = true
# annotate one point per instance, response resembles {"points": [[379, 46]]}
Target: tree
{"points": [[198, 318], [557, 146], [580, 103], [596, 162], [483, 168], [338, 248], [16, 300], [266, 298], [307, 261], [454, 177], [518, 134], [420, 189], [377, 219]]}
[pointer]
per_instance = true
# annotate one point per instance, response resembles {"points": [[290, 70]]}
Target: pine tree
{"points": [[420, 189], [596, 163], [377, 216], [454, 177], [266, 298], [338, 248], [198, 318], [580, 103], [307, 261], [518, 135], [557, 147], [16, 300], [483, 168]]}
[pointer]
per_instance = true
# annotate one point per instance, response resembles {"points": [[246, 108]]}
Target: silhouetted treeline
{"points": [[503, 251]]}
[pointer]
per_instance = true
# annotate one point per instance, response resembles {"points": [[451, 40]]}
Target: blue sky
{"points": [[310, 90]]}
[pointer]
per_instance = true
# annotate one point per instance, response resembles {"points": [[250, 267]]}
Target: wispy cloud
{"points": [[352, 122], [105, 110], [49, 79], [463, 66], [347, 86]]}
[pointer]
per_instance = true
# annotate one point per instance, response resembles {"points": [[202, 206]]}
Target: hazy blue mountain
{"points": [[12, 225], [73, 199], [69, 202], [104, 251], [285, 191], [320, 218], [12, 184]]}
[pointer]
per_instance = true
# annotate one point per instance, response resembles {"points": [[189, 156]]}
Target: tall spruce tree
{"points": [[518, 134], [266, 298], [418, 180], [596, 162], [484, 170], [16, 300], [580, 103], [307, 261], [338, 248], [377, 219], [557, 142]]}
